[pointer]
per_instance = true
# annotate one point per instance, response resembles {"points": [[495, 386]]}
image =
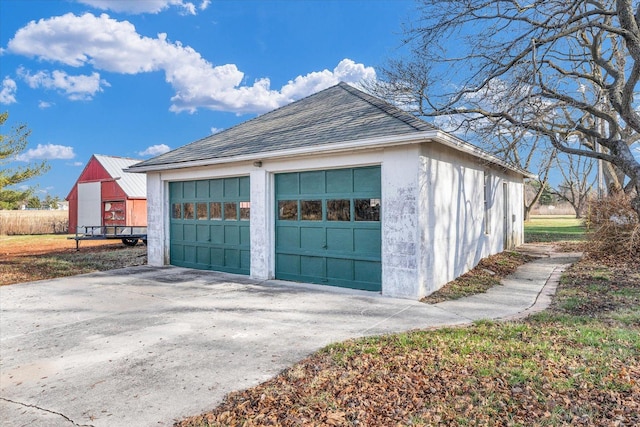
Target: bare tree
{"points": [[578, 181], [559, 69], [527, 151]]}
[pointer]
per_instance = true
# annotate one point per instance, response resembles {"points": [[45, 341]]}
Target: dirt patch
{"points": [[12, 246], [30, 258]]}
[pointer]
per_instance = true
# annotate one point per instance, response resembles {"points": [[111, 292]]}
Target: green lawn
{"points": [[553, 228]]}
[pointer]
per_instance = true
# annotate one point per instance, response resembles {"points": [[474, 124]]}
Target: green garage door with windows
{"points": [[209, 224], [328, 227]]}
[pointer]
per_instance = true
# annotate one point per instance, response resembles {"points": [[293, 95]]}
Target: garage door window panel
{"points": [[367, 209], [201, 211], [311, 210], [339, 210], [215, 211], [187, 210], [245, 211], [176, 211], [288, 210]]}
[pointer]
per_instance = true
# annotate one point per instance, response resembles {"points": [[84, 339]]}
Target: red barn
{"points": [[105, 194]]}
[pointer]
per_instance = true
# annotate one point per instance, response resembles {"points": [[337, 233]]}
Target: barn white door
{"points": [[89, 204]]}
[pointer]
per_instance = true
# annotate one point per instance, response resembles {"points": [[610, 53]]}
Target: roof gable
{"points": [[338, 114], [109, 167], [134, 185]]}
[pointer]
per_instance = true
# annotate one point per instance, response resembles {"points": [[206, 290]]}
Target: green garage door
{"points": [[328, 227], [210, 224]]}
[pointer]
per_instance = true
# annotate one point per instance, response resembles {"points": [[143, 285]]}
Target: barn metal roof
{"points": [[133, 184], [338, 116]]}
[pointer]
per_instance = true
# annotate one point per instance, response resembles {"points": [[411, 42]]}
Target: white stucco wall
{"points": [[261, 235], [157, 211], [401, 221], [453, 236], [432, 211]]}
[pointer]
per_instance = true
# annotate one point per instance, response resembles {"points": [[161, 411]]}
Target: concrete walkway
{"points": [[147, 346]]}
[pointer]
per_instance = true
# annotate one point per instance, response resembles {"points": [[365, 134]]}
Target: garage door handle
{"points": [[324, 246]]}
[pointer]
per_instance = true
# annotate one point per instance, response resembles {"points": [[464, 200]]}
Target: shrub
{"points": [[613, 226]]}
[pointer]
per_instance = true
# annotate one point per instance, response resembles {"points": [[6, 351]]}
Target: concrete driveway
{"points": [[146, 346]]}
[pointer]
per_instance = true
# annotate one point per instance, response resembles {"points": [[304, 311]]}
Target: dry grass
{"points": [[33, 222], [29, 258]]}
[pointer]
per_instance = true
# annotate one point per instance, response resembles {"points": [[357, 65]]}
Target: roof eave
{"points": [[437, 136], [463, 146], [331, 148]]}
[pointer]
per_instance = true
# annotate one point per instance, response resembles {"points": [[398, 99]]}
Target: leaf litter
{"points": [[573, 364]]}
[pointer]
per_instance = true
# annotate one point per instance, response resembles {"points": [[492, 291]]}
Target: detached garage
{"points": [[339, 188], [105, 194]]}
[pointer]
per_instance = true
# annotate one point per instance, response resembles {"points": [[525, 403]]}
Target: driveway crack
{"points": [[27, 405]]}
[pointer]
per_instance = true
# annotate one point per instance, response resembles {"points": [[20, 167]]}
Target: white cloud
{"points": [[48, 152], [44, 104], [155, 150], [8, 91], [76, 164], [216, 130], [76, 88], [143, 6], [115, 46]]}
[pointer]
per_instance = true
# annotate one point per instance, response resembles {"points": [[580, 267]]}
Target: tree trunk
{"points": [[527, 212]]}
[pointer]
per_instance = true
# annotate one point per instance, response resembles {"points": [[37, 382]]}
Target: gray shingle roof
{"points": [[133, 184], [338, 114]]}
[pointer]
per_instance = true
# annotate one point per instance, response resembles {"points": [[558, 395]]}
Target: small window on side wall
{"points": [[487, 194]]}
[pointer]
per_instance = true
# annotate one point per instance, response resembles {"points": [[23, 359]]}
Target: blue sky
{"points": [[135, 78]]}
